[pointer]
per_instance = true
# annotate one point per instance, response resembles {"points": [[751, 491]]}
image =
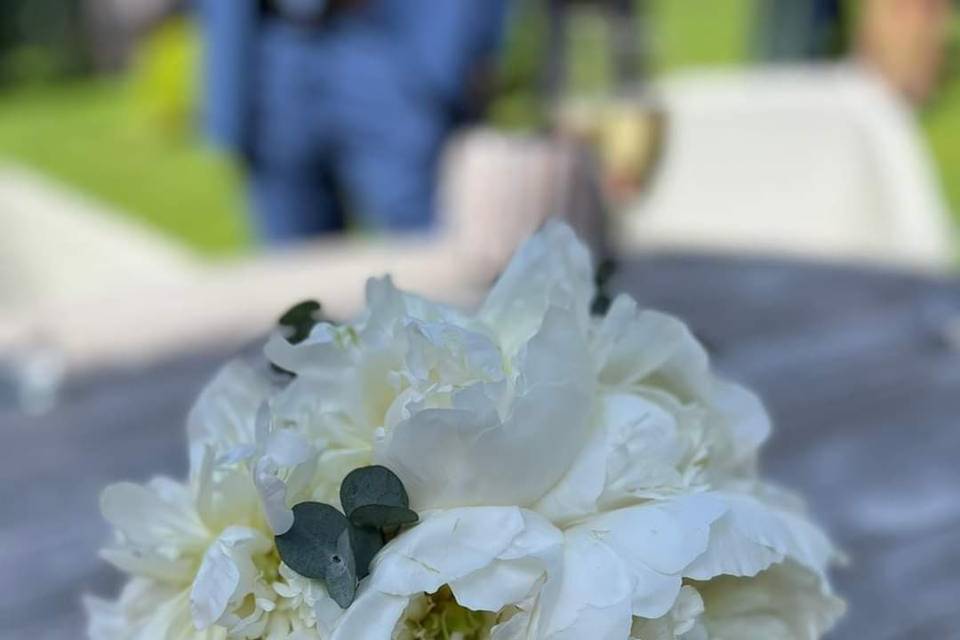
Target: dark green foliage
{"points": [[366, 542], [318, 546], [382, 516], [375, 497], [323, 544], [602, 299], [299, 320]]}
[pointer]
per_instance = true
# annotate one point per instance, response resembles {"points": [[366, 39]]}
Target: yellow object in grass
{"points": [[165, 77]]}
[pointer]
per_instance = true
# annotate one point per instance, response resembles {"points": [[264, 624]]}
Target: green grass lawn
{"points": [[688, 33], [87, 135], [941, 124]]}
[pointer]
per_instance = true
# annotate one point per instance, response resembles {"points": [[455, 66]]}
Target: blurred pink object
{"points": [[498, 188]]}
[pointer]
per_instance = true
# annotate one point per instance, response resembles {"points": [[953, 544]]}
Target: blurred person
{"points": [[791, 30], [906, 42], [338, 105]]}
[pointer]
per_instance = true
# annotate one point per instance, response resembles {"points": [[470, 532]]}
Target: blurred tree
{"points": [[41, 40]]}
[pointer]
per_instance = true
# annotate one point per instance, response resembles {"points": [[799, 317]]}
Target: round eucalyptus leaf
{"points": [[381, 516], [312, 546], [299, 319], [366, 542], [373, 485], [341, 574]]}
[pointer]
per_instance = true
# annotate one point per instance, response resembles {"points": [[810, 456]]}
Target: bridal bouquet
{"points": [[529, 471]]}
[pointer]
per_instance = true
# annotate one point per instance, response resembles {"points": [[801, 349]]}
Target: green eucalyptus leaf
{"points": [[381, 516], [318, 546], [366, 542], [299, 320], [372, 485], [341, 575], [602, 299]]}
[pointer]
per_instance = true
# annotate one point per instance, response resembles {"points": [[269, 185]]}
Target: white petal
{"points": [[577, 492], [105, 619], [214, 586], [785, 602], [225, 413], [328, 615], [230, 499], [594, 592], [140, 601], [500, 583], [490, 557], [632, 455], [664, 536], [454, 457], [646, 449], [147, 518], [170, 619], [323, 349], [648, 347], [445, 546], [225, 574], [273, 496], [745, 419], [521, 626], [533, 555], [372, 616], [451, 353], [679, 622], [538, 539], [753, 534], [609, 623], [731, 552], [656, 542], [634, 344], [551, 269], [287, 447], [386, 303], [158, 566]]}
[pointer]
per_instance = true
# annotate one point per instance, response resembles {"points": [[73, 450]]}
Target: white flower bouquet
{"points": [[528, 471]]}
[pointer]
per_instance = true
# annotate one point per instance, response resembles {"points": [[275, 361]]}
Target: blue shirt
{"points": [[440, 40]]}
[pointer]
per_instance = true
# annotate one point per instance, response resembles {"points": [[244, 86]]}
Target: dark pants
{"points": [[340, 123]]}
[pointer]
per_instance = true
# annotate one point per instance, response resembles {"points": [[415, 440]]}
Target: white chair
{"points": [[822, 161]]}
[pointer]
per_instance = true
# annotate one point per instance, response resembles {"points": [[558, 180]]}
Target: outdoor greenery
{"points": [[132, 141], [84, 133], [941, 122]]}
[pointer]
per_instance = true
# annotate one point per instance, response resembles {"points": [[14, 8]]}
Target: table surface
{"points": [[854, 365]]}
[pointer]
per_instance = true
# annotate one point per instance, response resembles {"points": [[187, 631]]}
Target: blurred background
{"points": [[784, 174], [174, 145]]}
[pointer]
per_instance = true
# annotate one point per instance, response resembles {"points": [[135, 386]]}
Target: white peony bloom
{"points": [[193, 581], [785, 602], [461, 407], [491, 559], [576, 477], [202, 554], [628, 563], [146, 609], [682, 621]]}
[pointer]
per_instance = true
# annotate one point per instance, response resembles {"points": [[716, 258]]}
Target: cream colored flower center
{"points": [[438, 616]]}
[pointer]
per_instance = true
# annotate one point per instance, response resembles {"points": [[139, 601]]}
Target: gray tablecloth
{"points": [[854, 365]]}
